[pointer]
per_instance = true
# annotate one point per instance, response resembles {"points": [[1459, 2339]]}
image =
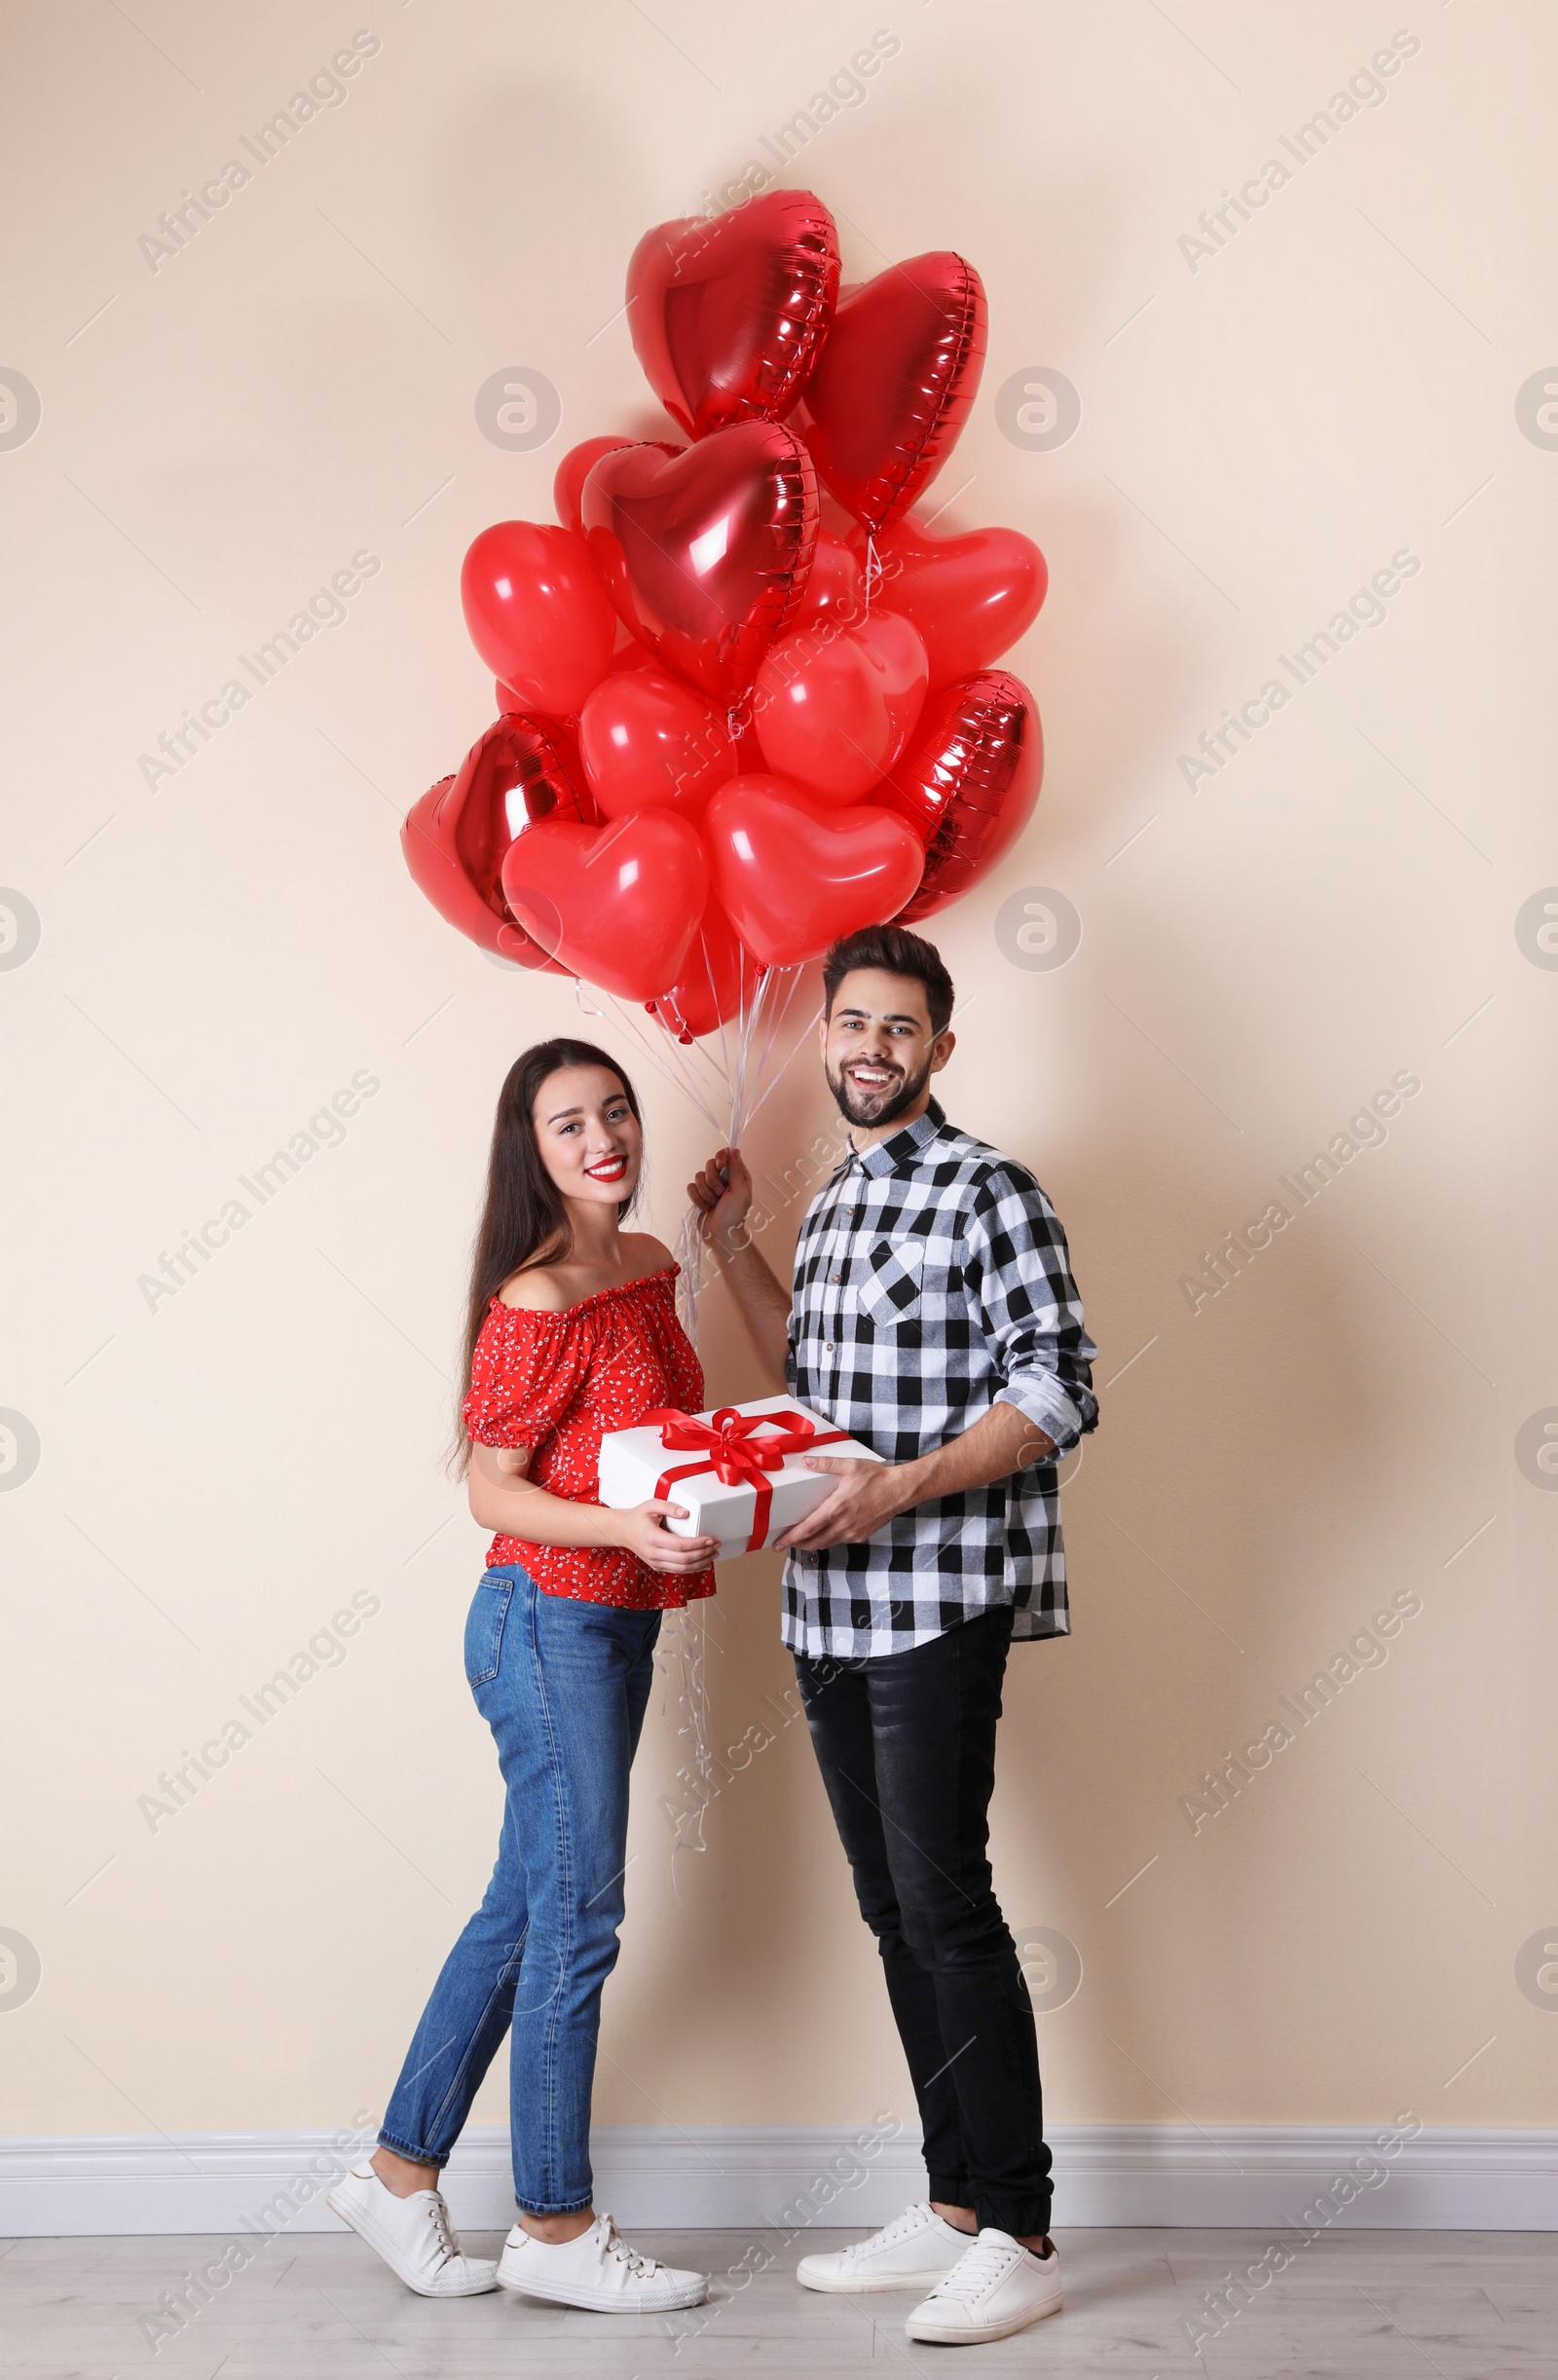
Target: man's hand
{"points": [[721, 1195], [721, 1199], [1001, 1441], [867, 1495]]}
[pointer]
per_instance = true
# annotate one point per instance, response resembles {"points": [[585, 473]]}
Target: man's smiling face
{"points": [[879, 1050]]}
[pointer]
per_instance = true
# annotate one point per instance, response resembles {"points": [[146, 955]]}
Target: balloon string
{"points": [[690, 1654], [683, 1661], [727, 1077], [800, 1041], [728, 1080], [874, 569]]}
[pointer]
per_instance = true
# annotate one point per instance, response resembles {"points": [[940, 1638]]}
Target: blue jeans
{"points": [[563, 1684]]}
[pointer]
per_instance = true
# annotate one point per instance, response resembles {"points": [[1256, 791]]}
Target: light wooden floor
{"points": [[1466, 2305]]}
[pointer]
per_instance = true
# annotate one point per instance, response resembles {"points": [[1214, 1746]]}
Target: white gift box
{"points": [[633, 1463]]}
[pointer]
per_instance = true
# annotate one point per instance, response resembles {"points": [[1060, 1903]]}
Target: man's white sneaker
{"points": [[997, 2286], [596, 2270], [913, 2251], [413, 2235]]}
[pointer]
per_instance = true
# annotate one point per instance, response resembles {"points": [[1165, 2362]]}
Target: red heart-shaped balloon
{"points": [[795, 874], [728, 316], [970, 597], [646, 740], [572, 472], [456, 837], [706, 548], [618, 905], [884, 406], [629, 654], [834, 711], [719, 977], [538, 615], [967, 782], [834, 588]]}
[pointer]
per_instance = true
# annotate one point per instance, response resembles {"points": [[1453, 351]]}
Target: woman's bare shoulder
{"points": [[534, 1290], [543, 1289]]}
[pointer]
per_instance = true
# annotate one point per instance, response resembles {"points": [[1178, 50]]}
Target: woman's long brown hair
{"points": [[523, 1217]]}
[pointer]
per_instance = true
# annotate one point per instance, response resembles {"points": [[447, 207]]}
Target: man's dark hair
{"points": [[894, 950]]}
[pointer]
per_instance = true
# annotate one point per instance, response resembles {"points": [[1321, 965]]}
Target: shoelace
{"points": [[911, 2219], [975, 2269], [614, 2245], [438, 2217]]}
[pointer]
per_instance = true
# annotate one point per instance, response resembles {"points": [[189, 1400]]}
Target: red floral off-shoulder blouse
{"points": [[556, 1383]]}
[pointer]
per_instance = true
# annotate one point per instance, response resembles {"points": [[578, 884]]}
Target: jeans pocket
{"points": [[484, 1627]]}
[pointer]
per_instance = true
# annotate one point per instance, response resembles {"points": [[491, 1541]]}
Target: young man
{"points": [[934, 1318]]}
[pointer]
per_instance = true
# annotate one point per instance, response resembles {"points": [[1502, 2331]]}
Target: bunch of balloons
{"points": [[739, 719]]}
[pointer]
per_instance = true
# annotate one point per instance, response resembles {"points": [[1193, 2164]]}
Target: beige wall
{"points": [[1260, 955]]}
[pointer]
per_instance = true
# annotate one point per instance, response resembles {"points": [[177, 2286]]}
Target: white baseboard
{"points": [[801, 2176]]}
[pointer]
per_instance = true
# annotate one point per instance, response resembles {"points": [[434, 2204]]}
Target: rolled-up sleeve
{"points": [[1017, 1268]]}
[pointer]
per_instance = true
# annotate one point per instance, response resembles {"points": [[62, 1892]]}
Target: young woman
{"points": [[571, 1331]]}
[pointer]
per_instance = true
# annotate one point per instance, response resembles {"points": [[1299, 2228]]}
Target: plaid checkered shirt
{"points": [[933, 1281]]}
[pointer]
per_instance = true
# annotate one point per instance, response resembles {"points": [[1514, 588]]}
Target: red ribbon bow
{"points": [[729, 1446]]}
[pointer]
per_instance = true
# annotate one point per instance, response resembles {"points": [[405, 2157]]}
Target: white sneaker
{"points": [[913, 2251], [997, 2286], [596, 2270], [413, 2235]]}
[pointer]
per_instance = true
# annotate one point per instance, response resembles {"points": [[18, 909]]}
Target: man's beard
{"points": [[870, 1109]]}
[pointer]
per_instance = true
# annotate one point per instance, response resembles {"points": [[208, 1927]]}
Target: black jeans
{"points": [[906, 1748]]}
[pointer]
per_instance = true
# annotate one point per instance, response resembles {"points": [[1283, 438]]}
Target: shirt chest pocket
{"points": [[890, 1279]]}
